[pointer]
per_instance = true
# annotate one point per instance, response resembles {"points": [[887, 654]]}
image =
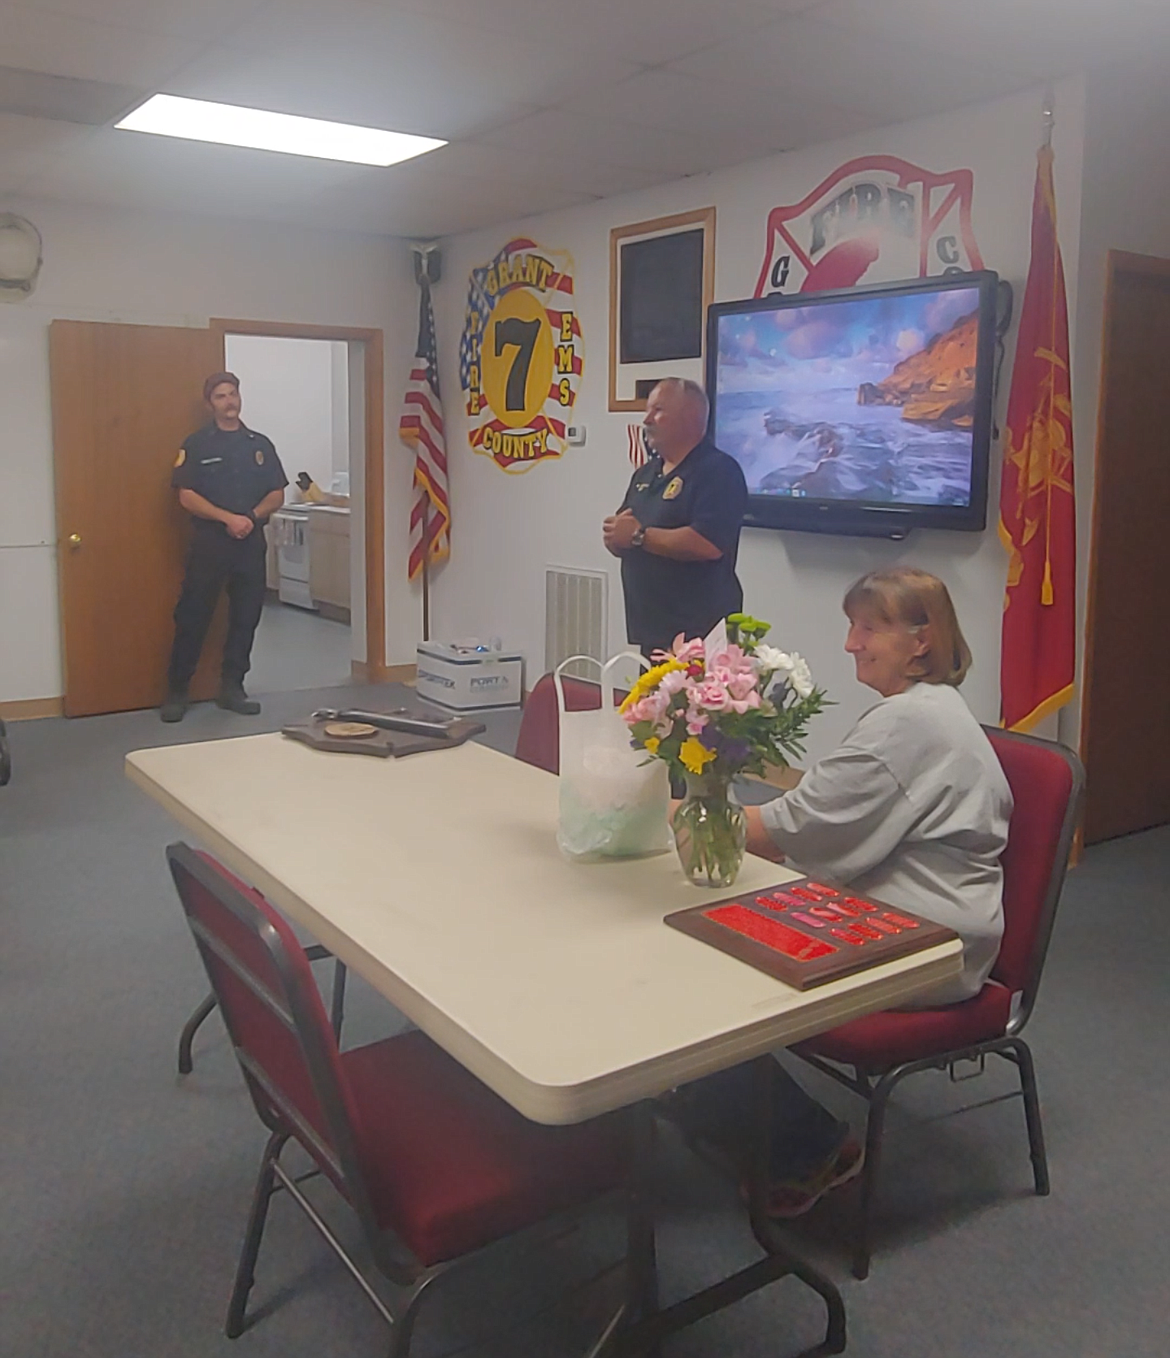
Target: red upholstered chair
{"points": [[433, 1164], [539, 741], [208, 1004], [1046, 781]]}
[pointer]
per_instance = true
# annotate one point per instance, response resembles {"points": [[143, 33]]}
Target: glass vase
{"points": [[710, 831]]}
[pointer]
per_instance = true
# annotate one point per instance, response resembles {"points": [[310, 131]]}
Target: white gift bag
{"points": [[614, 799]]}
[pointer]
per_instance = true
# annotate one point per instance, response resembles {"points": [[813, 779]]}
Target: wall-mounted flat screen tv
{"points": [[864, 411]]}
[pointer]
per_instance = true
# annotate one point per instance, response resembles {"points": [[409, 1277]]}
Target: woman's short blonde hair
{"points": [[918, 600]]}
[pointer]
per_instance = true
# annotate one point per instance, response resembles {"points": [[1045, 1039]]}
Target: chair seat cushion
{"points": [[880, 1041], [450, 1165]]}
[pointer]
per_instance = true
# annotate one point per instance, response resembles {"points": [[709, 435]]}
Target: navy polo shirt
{"points": [[706, 491], [233, 468]]}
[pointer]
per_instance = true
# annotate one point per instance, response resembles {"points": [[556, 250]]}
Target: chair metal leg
{"points": [[245, 1270], [867, 1191], [402, 1331], [1023, 1059], [187, 1036], [337, 1000]]}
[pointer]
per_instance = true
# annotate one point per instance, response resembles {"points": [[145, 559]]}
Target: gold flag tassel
{"points": [[1046, 595]]}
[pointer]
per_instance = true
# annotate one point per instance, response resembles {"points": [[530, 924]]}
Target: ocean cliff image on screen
{"points": [[868, 400]]}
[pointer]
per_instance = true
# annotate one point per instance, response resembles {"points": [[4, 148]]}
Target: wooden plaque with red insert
{"points": [[807, 932]]}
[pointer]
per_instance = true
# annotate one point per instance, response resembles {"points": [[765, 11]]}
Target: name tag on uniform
{"points": [[207, 461]]}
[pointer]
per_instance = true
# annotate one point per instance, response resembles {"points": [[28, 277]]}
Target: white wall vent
{"points": [[575, 623]]}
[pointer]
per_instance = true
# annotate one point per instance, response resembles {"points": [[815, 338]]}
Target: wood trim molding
{"points": [[32, 709], [361, 673], [704, 217], [375, 465]]}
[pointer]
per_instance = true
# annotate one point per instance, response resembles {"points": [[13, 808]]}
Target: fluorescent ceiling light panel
{"points": [[228, 125]]}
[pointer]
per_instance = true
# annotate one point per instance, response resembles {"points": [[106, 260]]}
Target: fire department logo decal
{"points": [[521, 355], [874, 220]]}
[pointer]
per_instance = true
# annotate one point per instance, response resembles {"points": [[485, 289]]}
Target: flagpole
{"points": [[426, 567]]}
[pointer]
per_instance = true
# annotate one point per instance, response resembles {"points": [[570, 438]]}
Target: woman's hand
{"points": [[758, 840]]}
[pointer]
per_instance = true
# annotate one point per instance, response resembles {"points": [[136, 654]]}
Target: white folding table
{"points": [[438, 880]]}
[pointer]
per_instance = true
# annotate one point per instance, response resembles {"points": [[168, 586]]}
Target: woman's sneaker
{"points": [[788, 1198]]}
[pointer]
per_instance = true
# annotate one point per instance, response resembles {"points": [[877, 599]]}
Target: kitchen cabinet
{"points": [[329, 560]]}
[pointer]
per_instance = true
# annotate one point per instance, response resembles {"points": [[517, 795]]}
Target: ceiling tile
{"points": [[888, 81], [198, 19], [420, 203], [62, 45], [647, 31], [29, 145], [1034, 40], [719, 109], [554, 132], [577, 174], [418, 75], [139, 170]]}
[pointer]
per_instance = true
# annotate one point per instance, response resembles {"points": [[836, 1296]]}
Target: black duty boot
{"points": [[232, 698], [174, 708]]}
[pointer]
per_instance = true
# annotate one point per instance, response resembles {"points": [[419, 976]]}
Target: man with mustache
{"points": [[677, 531]]}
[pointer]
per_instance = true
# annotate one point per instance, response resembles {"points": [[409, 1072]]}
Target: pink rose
{"points": [[712, 695]]}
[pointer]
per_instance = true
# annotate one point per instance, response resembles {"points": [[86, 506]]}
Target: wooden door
{"points": [[124, 398], [1125, 734]]}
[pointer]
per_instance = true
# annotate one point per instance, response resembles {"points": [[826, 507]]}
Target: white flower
{"points": [[772, 660], [801, 676]]}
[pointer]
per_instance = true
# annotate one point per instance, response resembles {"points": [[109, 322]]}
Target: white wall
{"points": [[106, 265], [507, 528], [1126, 206], [287, 387]]}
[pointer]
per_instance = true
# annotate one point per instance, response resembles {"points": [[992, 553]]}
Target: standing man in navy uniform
{"points": [[677, 531], [229, 480]]}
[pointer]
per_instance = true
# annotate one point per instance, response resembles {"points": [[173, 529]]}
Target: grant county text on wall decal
{"points": [[521, 355]]}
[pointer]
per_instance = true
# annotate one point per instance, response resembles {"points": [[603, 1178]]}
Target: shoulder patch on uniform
{"points": [[259, 457], [181, 458], [673, 489]]}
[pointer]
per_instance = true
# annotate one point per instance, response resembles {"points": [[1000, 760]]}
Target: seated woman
{"points": [[912, 808]]}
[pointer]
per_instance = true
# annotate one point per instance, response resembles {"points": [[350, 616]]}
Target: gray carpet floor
{"points": [[125, 1188]]}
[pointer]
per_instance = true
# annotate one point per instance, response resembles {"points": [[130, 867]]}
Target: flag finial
{"points": [[1048, 114]]}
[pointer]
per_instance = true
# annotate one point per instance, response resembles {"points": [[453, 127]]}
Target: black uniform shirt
{"points": [[233, 468], [706, 491]]}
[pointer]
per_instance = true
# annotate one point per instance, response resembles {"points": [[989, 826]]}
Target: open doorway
{"points": [[296, 391], [352, 375]]}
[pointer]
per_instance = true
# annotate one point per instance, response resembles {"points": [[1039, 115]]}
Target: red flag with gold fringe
{"points": [[1037, 516]]}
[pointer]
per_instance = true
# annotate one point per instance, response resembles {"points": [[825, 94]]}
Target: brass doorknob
{"points": [[75, 540]]}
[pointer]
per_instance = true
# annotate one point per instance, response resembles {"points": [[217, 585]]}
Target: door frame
{"points": [[374, 668], [1117, 262]]}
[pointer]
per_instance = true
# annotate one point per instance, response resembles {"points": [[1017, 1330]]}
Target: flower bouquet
{"points": [[714, 708]]}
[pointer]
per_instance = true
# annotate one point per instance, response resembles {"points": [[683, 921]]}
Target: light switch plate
{"points": [[575, 434]]}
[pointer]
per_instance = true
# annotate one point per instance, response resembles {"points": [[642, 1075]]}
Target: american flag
{"points": [[636, 437], [421, 427]]}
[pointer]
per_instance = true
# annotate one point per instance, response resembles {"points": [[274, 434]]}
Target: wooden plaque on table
{"points": [[807, 932], [382, 744]]}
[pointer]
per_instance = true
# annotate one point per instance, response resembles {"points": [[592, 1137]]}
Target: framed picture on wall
{"points": [[661, 281]]}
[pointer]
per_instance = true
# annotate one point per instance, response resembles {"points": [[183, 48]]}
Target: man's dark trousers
{"points": [[213, 561]]}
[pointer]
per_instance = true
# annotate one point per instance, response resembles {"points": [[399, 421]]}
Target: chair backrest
{"points": [[539, 741], [1046, 780], [262, 980]]}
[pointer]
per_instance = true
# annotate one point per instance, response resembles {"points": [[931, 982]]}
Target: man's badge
{"points": [[673, 489], [259, 457], [181, 458]]}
